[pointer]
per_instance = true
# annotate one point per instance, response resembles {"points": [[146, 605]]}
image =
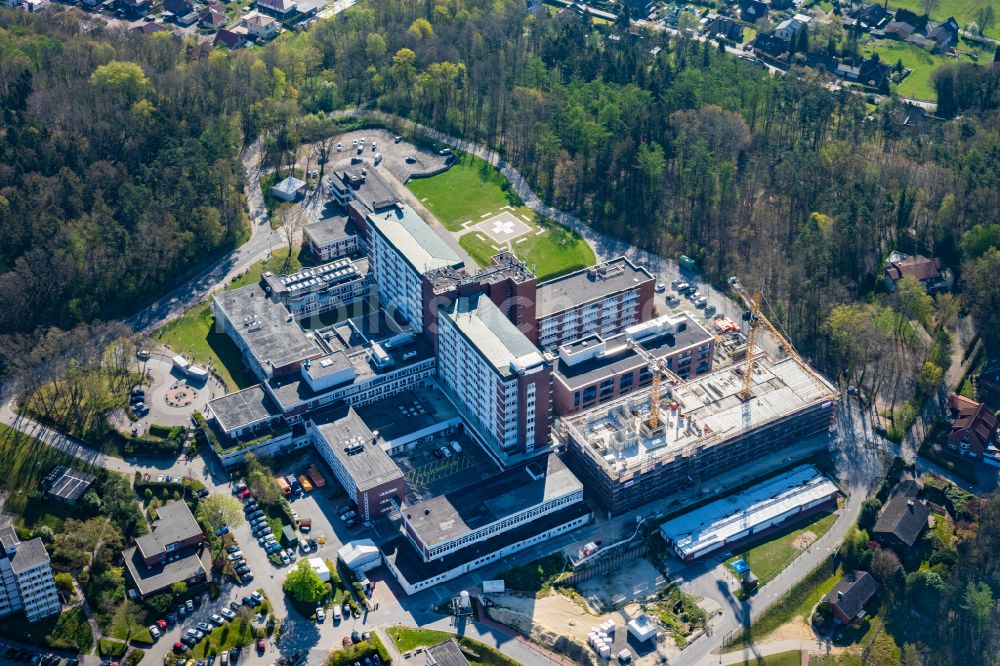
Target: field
{"points": [[922, 63], [194, 333], [767, 559], [964, 11], [470, 190]]}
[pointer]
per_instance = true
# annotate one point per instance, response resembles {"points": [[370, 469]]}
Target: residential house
{"points": [[781, 5], [229, 39], [135, 8], [280, 9], [171, 553], [872, 17], [769, 47], [929, 272], [752, 11], [640, 9], [905, 24], [903, 519], [263, 28], [26, 580], [870, 73], [213, 19], [973, 430], [150, 28], [944, 35], [850, 595], [723, 28], [789, 29], [178, 7]]}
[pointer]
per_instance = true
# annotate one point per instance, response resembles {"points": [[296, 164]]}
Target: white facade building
{"points": [[26, 581], [496, 373], [403, 248]]}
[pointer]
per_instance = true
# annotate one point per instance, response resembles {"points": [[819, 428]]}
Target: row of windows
{"points": [[503, 525]]}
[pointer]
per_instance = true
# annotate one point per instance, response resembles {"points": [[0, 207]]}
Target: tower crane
{"points": [[659, 371], [757, 319]]}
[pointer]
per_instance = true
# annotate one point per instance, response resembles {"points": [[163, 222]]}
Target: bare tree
{"points": [[292, 218]]}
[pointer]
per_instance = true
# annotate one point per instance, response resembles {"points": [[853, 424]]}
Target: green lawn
{"points": [[922, 63], [72, 631], [194, 333], [799, 601], [964, 11], [843, 659], [120, 624], [556, 252], [767, 559], [406, 639], [237, 633], [793, 658], [470, 188]]}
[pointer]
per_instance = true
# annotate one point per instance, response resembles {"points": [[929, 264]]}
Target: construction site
{"points": [[678, 434]]}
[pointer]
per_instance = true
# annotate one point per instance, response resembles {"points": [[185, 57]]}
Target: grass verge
{"points": [[767, 559], [799, 601], [478, 654]]}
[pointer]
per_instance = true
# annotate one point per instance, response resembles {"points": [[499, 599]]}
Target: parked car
{"points": [[681, 286], [217, 619], [257, 596], [154, 631], [320, 614], [260, 645], [710, 310], [180, 647], [284, 558], [204, 626], [660, 288], [700, 302], [222, 530], [242, 570], [232, 549], [228, 614], [340, 147]]}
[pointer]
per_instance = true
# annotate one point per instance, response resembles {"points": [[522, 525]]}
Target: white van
{"points": [[337, 616]]}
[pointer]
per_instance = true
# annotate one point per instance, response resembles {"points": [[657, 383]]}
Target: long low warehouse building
{"points": [[732, 519]]}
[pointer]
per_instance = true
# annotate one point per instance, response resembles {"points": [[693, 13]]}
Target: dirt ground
{"points": [[634, 581], [556, 619], [804, 540]]}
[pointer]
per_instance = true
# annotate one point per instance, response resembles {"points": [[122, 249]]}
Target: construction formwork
{"points": [[703, 429]]}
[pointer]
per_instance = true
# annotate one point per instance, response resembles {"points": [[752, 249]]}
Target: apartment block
{"points": [[403, 250], [496, 374], [604, 300], [26, 580], [595, 369]]}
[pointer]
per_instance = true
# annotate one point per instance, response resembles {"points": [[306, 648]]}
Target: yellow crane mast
{"points": [[757, 319], [659, 370]]}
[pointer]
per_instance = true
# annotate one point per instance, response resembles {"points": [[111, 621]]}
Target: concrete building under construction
{"points": [[702, 428]]}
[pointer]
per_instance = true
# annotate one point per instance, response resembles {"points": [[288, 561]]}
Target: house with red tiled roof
{"points": [[973, 430], [929, 272]]}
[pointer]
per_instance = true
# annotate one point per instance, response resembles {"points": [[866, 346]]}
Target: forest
{"points": [[120, 174]]}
